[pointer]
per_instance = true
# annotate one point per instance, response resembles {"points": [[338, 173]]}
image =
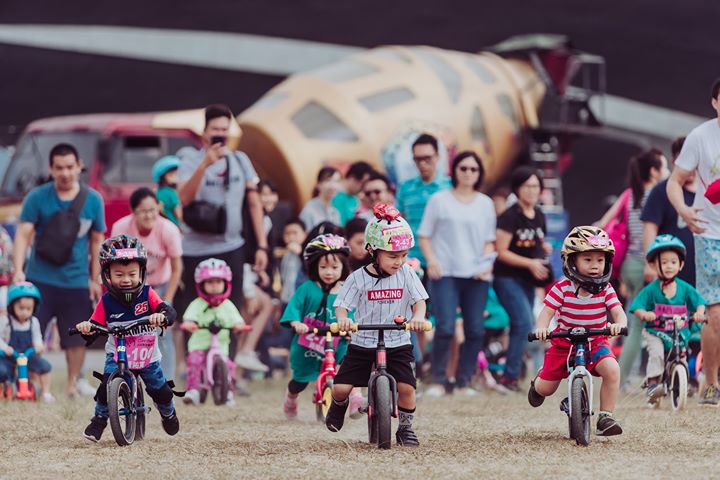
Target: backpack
{"points": [[56, 243]]}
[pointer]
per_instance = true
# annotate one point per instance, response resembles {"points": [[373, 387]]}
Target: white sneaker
{"points": [[434, 391], [48, 397], [192, 397], [467, 392], [230, 399], [84, 388], [250, 361]]}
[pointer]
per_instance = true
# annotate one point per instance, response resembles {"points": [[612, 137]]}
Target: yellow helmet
{"points": [[587, 239]]}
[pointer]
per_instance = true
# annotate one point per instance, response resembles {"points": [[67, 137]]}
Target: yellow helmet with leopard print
{"points": [[587, 239]]}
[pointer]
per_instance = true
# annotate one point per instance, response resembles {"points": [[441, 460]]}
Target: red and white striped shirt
{"points": [[573, 311]]}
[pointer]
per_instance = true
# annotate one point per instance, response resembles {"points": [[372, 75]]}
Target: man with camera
{"points": [[215, 185]]}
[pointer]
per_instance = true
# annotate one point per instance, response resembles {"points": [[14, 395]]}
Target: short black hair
{"points": [[381, 177], [355, 226], [459, 158], [217, 110], [312, 267], [676, 147], [715, 88], [521, 175], [359, 169], [62, 149], [139, 195], [295, 221], [426, 139]]}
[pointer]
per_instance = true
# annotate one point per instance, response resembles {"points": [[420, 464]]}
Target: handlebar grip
{"points": [[624, 331], [73, 331], [531, 337], [427, 326]]}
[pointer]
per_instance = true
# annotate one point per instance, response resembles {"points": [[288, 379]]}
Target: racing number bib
{"points": [[314, 342], [139, 350]]}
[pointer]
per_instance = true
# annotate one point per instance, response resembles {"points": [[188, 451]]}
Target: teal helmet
{"points": [[22, 290], [665, 242], [164, 165]]}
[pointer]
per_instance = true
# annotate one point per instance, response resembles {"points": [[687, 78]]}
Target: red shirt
{"points": [[573, 311]]}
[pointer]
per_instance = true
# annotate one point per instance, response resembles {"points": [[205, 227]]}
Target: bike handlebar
{"points": [[17, 354], [213, 327], [114, 330], [579, 332]]}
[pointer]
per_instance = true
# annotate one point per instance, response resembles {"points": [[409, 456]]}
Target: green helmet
{"points": [[388, 231], [665, 242]]}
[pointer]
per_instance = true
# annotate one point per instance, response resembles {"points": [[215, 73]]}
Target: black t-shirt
{"points": [[528, 236]]}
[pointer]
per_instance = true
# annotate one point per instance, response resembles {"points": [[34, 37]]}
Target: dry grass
{"points": [[489, 437]]}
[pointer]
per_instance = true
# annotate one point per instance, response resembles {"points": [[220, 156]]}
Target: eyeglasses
{"points": [[369, 193], [469, 169], [147, 211], [531, 187], [424, 158]]}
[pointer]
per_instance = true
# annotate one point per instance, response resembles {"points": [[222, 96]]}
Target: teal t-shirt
{"points": [[38, 207], [411, 199], [652, 295], [169, 199], [347, 205], [306, 303]]}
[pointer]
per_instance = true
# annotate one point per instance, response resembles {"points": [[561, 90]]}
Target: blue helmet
{"points": [[665, 242], [164, 165], [21, 290]]}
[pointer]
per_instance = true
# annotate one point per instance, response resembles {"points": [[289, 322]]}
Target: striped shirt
{"points": [[635, 227], [573, 311], [379, 300]]}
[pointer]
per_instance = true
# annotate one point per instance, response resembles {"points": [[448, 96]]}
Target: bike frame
{"points": [[380, 370], [214, 350], [677, 352], [123, 372], [328, 368], [22, 376], [579, 370]]}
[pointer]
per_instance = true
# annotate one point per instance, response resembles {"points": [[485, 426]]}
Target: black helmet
{"points": [[123, 248], [324, 245]]}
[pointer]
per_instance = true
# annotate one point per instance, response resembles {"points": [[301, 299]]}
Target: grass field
{"points": [[490, 436]]}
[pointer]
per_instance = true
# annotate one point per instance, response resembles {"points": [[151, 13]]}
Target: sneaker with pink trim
{"points": [[357, 403], [290, 407]]}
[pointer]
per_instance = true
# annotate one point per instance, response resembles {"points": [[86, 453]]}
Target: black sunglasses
{"points": [[373, 192], [469, 169]]}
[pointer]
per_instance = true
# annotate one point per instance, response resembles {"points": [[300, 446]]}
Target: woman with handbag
{"points": [[623, 224], [521, 265]]}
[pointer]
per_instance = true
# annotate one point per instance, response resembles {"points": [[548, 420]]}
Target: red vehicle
{"points": [[322, 396], [118, 152]]}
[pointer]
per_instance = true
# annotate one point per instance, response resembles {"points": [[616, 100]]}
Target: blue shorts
{"points": [[707, 268], [70, 305]]}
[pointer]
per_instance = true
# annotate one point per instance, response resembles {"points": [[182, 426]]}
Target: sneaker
{"points": [[406, 437], [357, 404], [48, 397], [336, 415], [290, 407], [565, 406], [434, 391], [467, 392], [250, 361], [710, 397], [84, 388], [534, 398], [241, 388], [654, 393], [607, 426], [94, 431], [509, 384], [230, 402], [192, 397], [170, 424]]}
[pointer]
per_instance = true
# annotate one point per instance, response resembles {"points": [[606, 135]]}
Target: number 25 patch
{"points": [[141, 308]]}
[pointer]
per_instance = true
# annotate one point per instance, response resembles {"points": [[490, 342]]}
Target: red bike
{"points": [[322, 396]]}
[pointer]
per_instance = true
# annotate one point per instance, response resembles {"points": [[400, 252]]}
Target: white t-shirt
{"points": [[701, 152], [378, 301], [458, 232]]}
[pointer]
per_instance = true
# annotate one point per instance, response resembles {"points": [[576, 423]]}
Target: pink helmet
{"points": [[209, 269]]}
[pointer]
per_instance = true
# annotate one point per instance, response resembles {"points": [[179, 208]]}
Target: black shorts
{"points": [[358, 364], [70, 305]]}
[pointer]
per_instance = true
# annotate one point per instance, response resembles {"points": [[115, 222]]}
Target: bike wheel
{"points": [[122, 411], [580, 412], [678, 386], [322, 406], [383, 412], [140, 421], [220, 381]]}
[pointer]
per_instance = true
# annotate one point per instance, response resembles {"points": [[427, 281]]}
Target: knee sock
{"points": [[406, 418]]}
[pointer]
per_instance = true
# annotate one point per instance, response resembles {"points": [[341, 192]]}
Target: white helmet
{"points": [[388, 231]]}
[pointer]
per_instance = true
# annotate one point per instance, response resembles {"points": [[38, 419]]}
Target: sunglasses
{"points": [[373, 192], [469, 169], [425, 158]]}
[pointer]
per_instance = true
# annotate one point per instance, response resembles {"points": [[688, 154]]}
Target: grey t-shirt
{"points": [[212, 189], [315, 212], [458, 232]]}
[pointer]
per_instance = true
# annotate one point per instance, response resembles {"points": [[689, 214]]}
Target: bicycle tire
{"points": [[140, 402], [678, 386], [323, 404], [580, 412], [383, 412], [119, 392], [220, 381]]}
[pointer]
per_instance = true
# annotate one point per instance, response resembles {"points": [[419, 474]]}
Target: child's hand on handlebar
{"points": [[84, 327], [542, 333], [8, 350], [417, 324], [157, 319], [615, 328], [345, 324], [649, 317], [189, 326], [299, 327], [699, 317]]}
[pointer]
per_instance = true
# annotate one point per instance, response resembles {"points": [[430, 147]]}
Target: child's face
{"points": [[391, 262], [268, 199], [329, 269], [125, 276], [214, 286], [171, 178], [357, 246], [590, 264], [670, 264], [23, 309], [293, 233]]}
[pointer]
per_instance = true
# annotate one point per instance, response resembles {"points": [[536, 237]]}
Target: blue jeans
{"points": [[153, 377], [517, 297], [449, 293]]}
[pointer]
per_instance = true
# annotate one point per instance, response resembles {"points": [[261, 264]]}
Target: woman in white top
{"points": [[457, 236], [319, 208]]}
